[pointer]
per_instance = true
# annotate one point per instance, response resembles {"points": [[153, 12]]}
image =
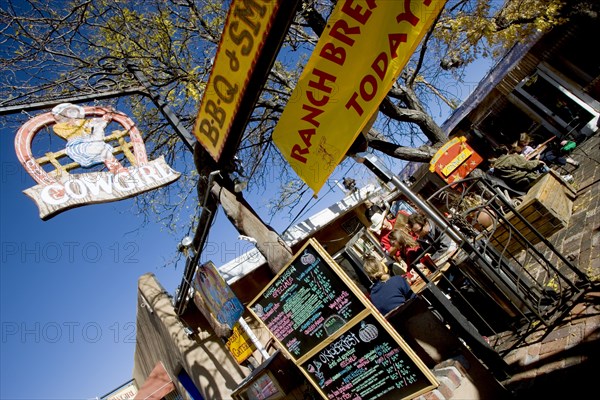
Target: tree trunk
{"points": [[238, 211], [248, 223]]}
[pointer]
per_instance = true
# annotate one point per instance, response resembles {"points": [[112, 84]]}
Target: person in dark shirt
{"points": [[558, 153], [432, 239], [387, 292]]}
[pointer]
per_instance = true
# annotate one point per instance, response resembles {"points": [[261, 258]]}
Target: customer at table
{"points": [[431, 238], [387, 292], [516, 171], [404, 246], [382, 225]]}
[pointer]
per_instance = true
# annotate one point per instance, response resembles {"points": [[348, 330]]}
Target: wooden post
{"points": [[248, 223], [239, 212]]}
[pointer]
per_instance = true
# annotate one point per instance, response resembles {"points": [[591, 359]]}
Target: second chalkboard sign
{"points": [[366, 362], [306, 303]]}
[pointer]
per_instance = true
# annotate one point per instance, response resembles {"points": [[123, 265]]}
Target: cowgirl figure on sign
{"points": [[85, 138]]}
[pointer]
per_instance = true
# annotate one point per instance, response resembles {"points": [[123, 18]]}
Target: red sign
{"points": [[455, 160], [87, 146]]}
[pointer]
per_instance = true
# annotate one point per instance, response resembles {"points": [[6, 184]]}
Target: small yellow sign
{"points": [[458, 160], [239, 344]]}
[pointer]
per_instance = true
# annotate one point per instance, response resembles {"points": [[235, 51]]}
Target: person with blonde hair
{"points": [[387, 291], [404, 246], [524, 143]]}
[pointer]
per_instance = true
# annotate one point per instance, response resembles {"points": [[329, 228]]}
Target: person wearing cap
{"points": [[381, 227]]}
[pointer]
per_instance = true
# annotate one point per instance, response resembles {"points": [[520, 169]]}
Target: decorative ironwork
{"points": [[515, 265]]}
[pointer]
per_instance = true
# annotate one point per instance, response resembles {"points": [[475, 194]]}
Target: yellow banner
{"points": [[357, 59], [239, 344], [247, 25]]}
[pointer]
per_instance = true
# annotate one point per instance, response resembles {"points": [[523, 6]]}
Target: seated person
{"points": [[387, 292], [404, 247], [406, 251], [518, 172], [525, 143], [558, 153], [431, 238], [381, 227]]}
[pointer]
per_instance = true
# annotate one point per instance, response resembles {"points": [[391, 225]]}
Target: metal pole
{"points": [[41, 105], [253, 338]]}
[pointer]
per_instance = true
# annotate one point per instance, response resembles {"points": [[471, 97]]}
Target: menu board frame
{"points": [[367, 312]]}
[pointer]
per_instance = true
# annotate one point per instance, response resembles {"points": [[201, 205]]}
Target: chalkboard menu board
{"points": [[366, 362], [306, 303], [340, 342]]}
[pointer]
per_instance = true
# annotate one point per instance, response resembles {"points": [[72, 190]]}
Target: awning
{"points": [[157, 385]]}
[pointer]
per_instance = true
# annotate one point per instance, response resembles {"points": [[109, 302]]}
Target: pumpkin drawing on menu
{"points": [[367, 332], [307, 258]]}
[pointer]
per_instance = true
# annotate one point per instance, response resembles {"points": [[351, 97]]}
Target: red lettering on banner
{"points": [[341, 30], [333, 53], [380, 65], [356, 12], [322, 81], [394, 40], [306, 135], [297, 153], [313, 113], [407, 15], [313, 100], [369, 83], [321, 84], [353, 103]]}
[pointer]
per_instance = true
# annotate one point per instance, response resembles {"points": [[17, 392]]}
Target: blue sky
{"points": [[68, 288], [68, 285]]}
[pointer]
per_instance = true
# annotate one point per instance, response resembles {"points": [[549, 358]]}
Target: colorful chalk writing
{"points": [[365, 362], [306, 303]]}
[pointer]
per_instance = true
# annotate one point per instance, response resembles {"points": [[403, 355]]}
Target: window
{"points": [[562, 106]]}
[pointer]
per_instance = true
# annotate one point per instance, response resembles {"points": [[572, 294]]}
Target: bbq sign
{"points": [[110, 166], [244, 35]]}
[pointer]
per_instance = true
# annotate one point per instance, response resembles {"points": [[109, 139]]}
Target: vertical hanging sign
{"points": [[243, 39], [363, 49], [217, 295]]}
